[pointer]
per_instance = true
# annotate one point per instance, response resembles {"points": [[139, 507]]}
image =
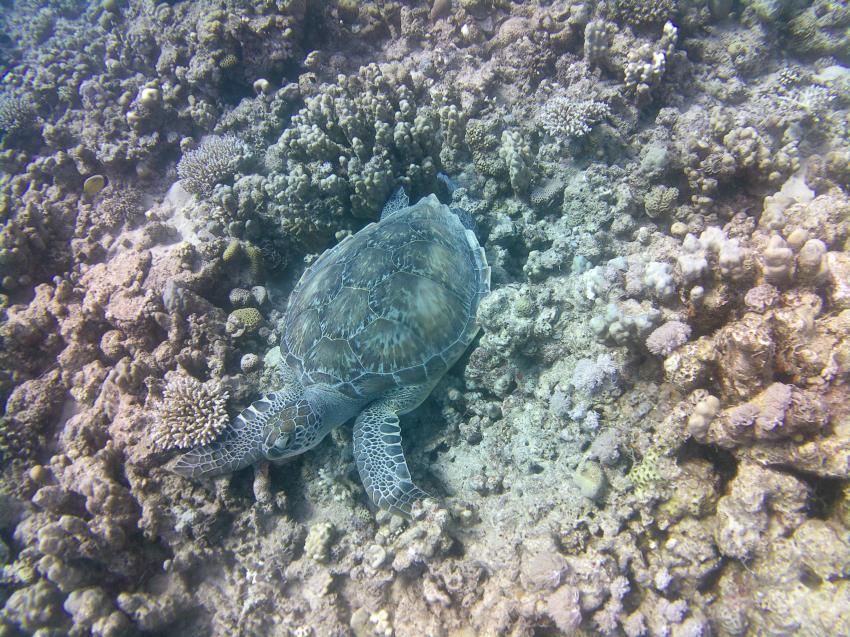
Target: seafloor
{"points": [[651, 436]]}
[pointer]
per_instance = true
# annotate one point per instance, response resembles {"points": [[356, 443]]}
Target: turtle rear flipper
{"points": [[380, 459]]}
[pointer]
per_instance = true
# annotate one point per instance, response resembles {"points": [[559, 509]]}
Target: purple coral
{"points": [[589, 376], [668, 337]]}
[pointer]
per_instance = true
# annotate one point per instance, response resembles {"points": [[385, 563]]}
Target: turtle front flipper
{"points": [[241, 444], [380, 459], [217, 458]]}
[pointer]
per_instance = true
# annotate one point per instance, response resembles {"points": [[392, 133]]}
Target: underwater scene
{"points": [[438, 318]]}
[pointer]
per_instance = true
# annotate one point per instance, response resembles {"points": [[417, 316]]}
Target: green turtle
{"points": [[370, 328]]}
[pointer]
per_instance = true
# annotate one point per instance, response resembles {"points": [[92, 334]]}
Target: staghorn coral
{"points": [[564, 118], [214, 162], [190, 414]]}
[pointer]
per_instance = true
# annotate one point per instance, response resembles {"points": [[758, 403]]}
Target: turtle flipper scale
{"points": [[215, 459], [380, 459], [241, 444]]}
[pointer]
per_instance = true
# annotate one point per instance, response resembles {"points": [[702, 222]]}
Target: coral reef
{"points": [[352, 144], [651, 436]]}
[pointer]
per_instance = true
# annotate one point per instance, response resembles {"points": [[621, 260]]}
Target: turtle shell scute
{"points": [[390, 306]]}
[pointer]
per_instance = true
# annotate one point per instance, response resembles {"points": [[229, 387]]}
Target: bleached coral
{"points": [[780, 411], [658, 279], [777, 261], [190, 414], [590, 376], [645, 65], [713, 252], [564, 609], [590, 479], [565, 118], [666, 338], [516, 154], [318, 542], [625, 322]]}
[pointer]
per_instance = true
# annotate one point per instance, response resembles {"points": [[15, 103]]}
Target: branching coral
{"points": [[663, 340], [17, 116], [565, 118], [190, 414], [657, 396], [645, 66], [353, 143], [214, 162]]}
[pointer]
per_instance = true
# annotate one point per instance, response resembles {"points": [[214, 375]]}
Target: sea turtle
{"points": [[370, 328]]}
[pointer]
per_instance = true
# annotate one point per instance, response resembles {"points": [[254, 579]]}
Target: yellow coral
{"points": [[248, 317], [233, 250], [645, 473], [236, 249], [255, 258]]}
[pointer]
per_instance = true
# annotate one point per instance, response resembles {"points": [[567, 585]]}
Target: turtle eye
{"points": [[278, 449], [281, 443]]}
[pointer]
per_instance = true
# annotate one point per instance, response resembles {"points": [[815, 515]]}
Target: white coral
{"points": [[563, 117], [215, 161], [663, 340], [190, 414]]}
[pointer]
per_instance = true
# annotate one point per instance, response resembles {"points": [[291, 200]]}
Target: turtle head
{"points": [[277, 426], [296, 428]]}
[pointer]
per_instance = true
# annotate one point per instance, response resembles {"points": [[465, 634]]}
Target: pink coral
{"points": [[670, 336]]}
